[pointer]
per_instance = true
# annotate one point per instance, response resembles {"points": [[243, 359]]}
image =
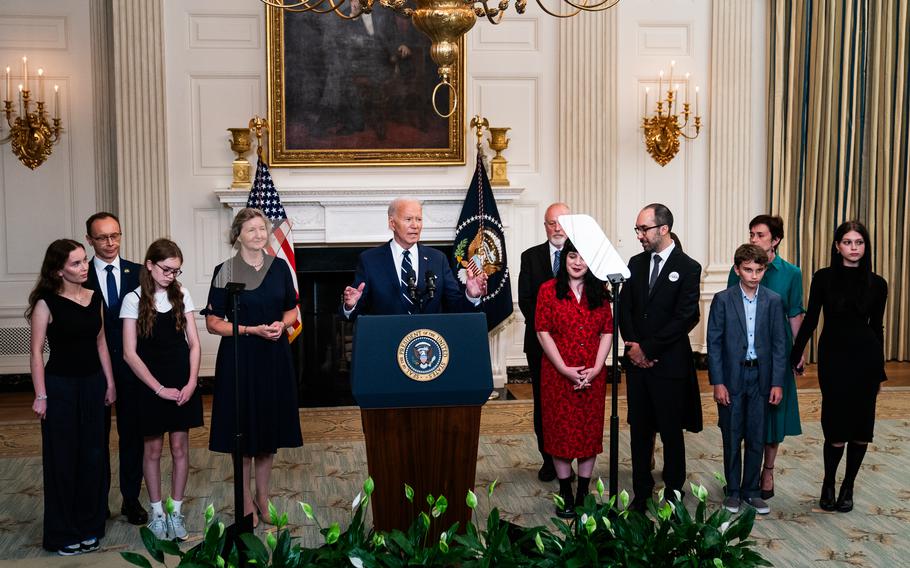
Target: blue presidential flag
{"points": [[480, 246]]}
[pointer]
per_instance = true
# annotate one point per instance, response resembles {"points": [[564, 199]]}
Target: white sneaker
{"points": [[176, 527], [158, 526]]}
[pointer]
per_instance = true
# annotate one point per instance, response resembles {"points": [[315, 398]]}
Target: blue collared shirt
{"points": [[751, 307]]}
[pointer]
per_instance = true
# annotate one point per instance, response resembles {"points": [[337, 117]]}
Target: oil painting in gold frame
{"points": [[357, 93]]}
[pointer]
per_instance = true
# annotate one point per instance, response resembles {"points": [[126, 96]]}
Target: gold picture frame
{"points": [[335, 99]]}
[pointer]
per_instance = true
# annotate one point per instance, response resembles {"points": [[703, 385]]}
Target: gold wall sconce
{"points": [[30, 134], [663, 129], [498, 142], [241, 143]]}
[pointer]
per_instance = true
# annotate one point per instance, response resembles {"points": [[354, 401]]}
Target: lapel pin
{"points": [[674, 276]]}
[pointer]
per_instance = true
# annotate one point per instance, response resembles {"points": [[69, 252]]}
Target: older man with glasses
{"points": [[113, 277]]}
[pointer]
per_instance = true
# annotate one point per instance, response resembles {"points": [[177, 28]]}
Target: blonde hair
{"points": [[242, 217]]}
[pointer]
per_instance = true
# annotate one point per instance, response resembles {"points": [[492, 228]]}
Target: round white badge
{"points": [[674, 276]]}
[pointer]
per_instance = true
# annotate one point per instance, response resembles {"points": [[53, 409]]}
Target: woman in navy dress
{"points": [[71, 391], [851, 358], [269, 416], [574, 325], [161, 346]]}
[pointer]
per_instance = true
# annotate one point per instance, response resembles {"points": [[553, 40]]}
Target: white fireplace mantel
{"points": [[356, 215]]}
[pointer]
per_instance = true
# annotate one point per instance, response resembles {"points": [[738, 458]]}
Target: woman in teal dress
{"points": [[767, 232]]}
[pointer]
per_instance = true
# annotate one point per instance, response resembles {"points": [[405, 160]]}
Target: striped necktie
{"points": [[407, 273], [555, 262]]}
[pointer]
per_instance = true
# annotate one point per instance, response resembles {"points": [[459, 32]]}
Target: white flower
{"points": [[723, 527]]}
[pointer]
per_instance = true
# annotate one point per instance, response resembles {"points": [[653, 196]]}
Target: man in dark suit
{"points": [[114, 277], [658, 307], [539, 264], [393, 278]]}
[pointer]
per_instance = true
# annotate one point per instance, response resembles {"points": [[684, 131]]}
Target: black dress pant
{"points": [[131, 442], [534, 365], [656, 405], [72, 451]]}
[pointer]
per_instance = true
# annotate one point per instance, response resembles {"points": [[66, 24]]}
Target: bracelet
{"points": [[41, 397], [160, 388]]}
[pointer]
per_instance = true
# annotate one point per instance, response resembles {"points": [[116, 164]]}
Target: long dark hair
{"points": [[853, 293], [162, 249], [49, 281], [595, 290]]}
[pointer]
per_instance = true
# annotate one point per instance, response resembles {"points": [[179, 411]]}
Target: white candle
{"points": [[9, 89], [25, 72], [21, 105], [647, 90], [660, 79], [696, 100], [56, 101], [687, 87], [41, 85], [672, 65]]}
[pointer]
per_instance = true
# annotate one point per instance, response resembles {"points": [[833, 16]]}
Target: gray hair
{"points": [[242, 217], [398, 202]]}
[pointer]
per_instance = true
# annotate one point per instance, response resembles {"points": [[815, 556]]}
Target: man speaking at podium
{"points": [[404, 277]]}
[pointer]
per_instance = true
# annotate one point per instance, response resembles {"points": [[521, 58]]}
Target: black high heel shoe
{"points": [[845, 499], [768, 493], [826, 501]]}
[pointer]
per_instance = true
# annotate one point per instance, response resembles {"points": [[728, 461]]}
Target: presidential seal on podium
{"points": [[423, 355]]}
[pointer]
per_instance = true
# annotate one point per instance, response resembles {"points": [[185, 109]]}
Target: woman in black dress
{"points": [[269, 416], [71, 392], [851, 362], [161, 346]]}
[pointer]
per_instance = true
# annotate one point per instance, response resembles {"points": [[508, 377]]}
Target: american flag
{"points": [[281, 242]]}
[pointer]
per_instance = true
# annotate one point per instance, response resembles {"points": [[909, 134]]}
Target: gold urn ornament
{"points": [[498, 142], [241, 144]]}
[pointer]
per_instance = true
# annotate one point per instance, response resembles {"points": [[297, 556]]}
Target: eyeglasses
{"points": [[643, 230], [175, 272], [112, 238]]}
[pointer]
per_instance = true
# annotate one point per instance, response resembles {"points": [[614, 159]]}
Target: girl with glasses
{"points": [[161, 346]]}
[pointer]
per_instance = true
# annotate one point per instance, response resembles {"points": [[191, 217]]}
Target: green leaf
{"points": [[720, 477], [430, 500], [590, 524], [443, 543], [665, 511], [440, 507], [600, 487], [273, 512], [471, 500], [378, 540], [409, 492], [356, 502], [368, 486], [425, 520], [492, 487], [209, 514], [169, 505], [660, 494], [169, 547], [271, 541], [307, 510], [151, 544], [559, 501], [255, 550], [136, 559], [719, 563], [331, 537], [539, 542], [624, 499]]}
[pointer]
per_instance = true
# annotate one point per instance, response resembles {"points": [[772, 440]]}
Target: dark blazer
{"points": [[113, 329], [382, 293], [536, 268], [727, 340], [660, 321]]}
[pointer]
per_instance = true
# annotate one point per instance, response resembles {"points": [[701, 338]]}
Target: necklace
{"points": [[258, 265]]}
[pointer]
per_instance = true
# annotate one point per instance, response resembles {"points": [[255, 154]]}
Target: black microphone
{"points": [[431, 283], [412, 287]]}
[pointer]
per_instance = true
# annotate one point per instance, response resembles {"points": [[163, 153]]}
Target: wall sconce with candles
{"points": [[663, 129], [31, 135]]}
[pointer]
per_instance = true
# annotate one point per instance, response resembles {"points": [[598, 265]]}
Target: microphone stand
{"points": [[616, 281], [242, 523]]}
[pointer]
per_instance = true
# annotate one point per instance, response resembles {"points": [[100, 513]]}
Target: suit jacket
{"points": [[382, 293], [728, 342], [536, 268], [113, 329], [660, 320]]}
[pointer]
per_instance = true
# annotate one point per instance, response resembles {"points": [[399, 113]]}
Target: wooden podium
{"points": [[421, 381]]}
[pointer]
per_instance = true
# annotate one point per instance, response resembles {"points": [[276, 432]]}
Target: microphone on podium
{"points": [[431, 284]]}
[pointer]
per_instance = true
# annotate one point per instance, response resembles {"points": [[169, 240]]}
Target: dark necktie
{"points": [[555, 262], [654, 272], [113, 298], [407, 273]]}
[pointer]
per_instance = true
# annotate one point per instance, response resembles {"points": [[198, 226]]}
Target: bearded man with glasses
{"points": [[113, 277]]}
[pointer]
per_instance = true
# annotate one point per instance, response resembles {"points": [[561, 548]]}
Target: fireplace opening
{"points": [[322, 352]]}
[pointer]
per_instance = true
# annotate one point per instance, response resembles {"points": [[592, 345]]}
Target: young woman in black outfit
{"points": [[71, 391], [851, 362], [161, 346]]}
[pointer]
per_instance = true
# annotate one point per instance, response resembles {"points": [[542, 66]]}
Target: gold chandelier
{"points": [[31, 135], [443, 21]]}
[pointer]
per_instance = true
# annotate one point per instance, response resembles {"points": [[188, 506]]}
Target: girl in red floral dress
{"points": [[575, 328]]}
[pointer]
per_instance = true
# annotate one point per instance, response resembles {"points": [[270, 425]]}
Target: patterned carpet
{"points": [[328, 475]]}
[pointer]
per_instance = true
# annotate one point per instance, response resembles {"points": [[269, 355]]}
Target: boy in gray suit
{"points": [[747, 359]]}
